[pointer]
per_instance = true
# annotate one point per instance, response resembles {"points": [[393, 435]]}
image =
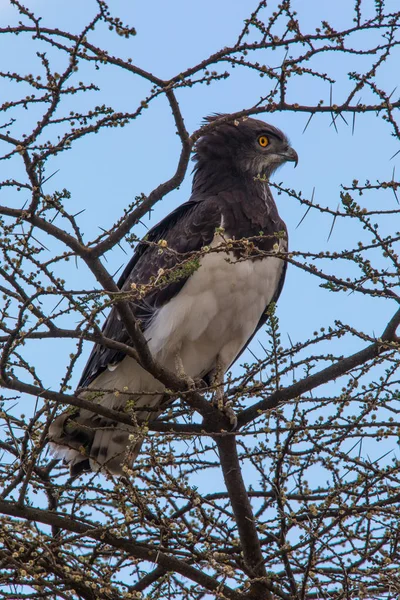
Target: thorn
{"points": [[55, 217], [284, 59], [334, 122], [383, 456], [394, 155], [306, 213], [119, 268], [303, 217], [265, 350], [333, 224], [57, 305], [253, 355], [78, 213], [358, 443], [308, 122], [55, 173], [333, 116], [40, 243], [393, 188]]}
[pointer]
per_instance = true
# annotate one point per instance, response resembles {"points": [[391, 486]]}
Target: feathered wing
{"points": [[185, 230], [87, 440], [117, 381]]}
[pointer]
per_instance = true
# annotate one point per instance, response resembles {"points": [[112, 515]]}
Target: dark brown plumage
{"points": [[228, 193]]}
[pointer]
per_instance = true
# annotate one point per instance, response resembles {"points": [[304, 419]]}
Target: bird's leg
{"points": [[219, 398], [218, 382], [180, 371]]}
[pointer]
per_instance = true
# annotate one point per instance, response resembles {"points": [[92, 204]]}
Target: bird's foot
{"points": [[201, 384], [180, 371], [225, 407], [230, 413]]}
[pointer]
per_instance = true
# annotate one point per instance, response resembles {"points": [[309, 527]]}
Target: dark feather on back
{"points": [[223, 191]]}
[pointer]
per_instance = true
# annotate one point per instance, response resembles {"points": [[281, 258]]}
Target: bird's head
{"points": [[247, 146]]}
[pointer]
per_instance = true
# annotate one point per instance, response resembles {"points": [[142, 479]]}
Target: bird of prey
{"points": [[207, 274]]}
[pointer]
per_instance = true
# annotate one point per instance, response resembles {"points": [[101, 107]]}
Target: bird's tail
{"points": [[90, 442]]}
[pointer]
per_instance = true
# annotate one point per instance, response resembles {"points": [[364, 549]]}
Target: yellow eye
{"points": [[263, 141]]}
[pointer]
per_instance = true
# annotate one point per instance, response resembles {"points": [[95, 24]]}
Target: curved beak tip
{"points": [[293, 156], [290, 155]]}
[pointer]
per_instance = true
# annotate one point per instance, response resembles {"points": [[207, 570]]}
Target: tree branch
{"points": [[330, 373], [244, 517], [102, 535]]}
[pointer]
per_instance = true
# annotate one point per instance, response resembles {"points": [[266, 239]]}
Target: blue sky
{"points": [[104, 172]]}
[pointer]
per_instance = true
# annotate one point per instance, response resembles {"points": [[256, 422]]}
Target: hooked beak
{"points": [[291, 156]]}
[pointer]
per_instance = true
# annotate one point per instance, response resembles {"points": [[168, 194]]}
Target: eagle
{"points": [[199, 284]]}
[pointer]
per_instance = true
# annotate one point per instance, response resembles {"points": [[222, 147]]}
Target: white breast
{"points": [[215, 313]]}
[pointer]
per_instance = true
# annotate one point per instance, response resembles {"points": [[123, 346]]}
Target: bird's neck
{"points": [[245, 198], [214, 177]]}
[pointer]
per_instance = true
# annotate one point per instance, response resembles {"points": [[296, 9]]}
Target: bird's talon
{"points": [[225, 408], [180, 371], [230, 413], [200, 383], [190, 382]]}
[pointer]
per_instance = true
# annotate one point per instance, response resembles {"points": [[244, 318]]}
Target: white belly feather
{"points": [[215, 313]]}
